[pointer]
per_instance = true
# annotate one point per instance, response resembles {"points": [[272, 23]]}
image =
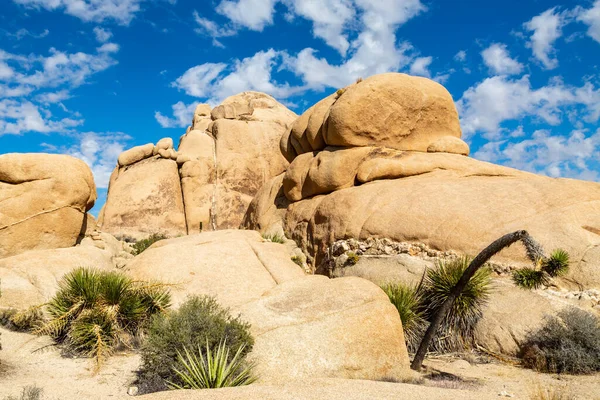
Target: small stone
{"points": [[584, 296], [388, 250], [133, 391], [504, 393]]}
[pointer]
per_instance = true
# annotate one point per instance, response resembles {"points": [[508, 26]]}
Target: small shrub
{"points": [[298, 261], [22, 321], [549, 393], [275, 238], [566, 343], [95, 311], [200, 320], [407, 301], [28, 393], [339, 92], [530, 278], [140, 246], [215, 370], [352, 258], [457, 329]]}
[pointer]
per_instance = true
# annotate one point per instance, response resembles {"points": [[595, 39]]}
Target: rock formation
{"points": [[222, 160], [362, 167], [44, 199], [304, 326]]}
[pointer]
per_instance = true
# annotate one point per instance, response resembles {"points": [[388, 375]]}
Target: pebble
{"points": [[132, 391]]}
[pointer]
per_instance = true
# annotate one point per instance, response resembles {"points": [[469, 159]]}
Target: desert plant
{"points": [[352, 258], [407, 300], [568, 342], [141, 245], [534, 252], [458, 327], [28, 393], [213, 369], [543, 392], [199, 320], [544, 269], [274, 237], [94, 311], [22, 321], [298, 261]]}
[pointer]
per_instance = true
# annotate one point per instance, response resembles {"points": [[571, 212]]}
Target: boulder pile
{"points": [[222, 160]]}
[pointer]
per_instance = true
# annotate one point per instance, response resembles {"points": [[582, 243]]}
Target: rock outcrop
{"points": [[304, 326], [222, 160], [397, 169], [44, 199]]}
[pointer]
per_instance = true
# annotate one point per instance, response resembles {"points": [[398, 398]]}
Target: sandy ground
{"points": [[74, 378]]}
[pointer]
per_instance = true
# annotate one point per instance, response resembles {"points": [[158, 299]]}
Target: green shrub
{"points": [[28, 393], [22, 321], [566, 343], [407, 301], [275, 238], [95, 311], [458, 327], [543, 271], [352, 258], [200, 320], [141, 245], [298, 261], [213, 369]]}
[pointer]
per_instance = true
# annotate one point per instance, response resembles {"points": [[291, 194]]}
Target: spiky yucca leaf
{"points": [[407, 301], [557, 264], [458, 327], [214, 370], [530, 278]]}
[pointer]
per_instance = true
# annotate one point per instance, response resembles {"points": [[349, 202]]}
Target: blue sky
{"points": [[94, 77]]}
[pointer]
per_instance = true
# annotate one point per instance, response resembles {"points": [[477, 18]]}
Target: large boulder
{"points": [[145, 198], [304, 326], [44, 200], [391, 110]]}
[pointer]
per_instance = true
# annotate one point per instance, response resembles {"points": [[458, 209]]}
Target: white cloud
{"points": [[120, 11], [102, 35], [485, 106], [212, 29], [572, 156], [498, 60], [53, 97], [182, 116], [215, 82], [461, 56], [17, 117], [546, 28], [21, 33], [252, 14], [591, 17], [421, 66], [329, 18], [108, 48], [100, 151]]}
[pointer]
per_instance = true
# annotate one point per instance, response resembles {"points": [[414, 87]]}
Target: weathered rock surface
{"points": [[44, 199], [225, 156], [304, 326], [381, 111], [145, 198]]}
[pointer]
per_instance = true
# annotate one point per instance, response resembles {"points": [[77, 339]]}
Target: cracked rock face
{"points": [[43, 201], [222, 160]]}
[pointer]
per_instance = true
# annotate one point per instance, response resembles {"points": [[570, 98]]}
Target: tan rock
{"points": [[31, 278], [382, 110], [449, 144], [202, 110], [451, 202], [164, 144], [317, 327], [196, 145], [44, 199], [145, 198], [304, 326], [135, 154]]}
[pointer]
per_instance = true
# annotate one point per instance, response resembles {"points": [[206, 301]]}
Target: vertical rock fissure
{"points": [[185, 217], [213, 205]]}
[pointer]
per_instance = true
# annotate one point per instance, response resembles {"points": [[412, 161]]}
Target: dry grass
{"points": [[539, 392]]}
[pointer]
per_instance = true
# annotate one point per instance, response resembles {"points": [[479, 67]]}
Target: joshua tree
{"points": [[545, 267]]}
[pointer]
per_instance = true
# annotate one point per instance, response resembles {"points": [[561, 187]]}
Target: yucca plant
{"points": [[215, 370], [95, 311], [407, 301], [457, 328], [544, 269], [141, 245], [275, 238]]}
